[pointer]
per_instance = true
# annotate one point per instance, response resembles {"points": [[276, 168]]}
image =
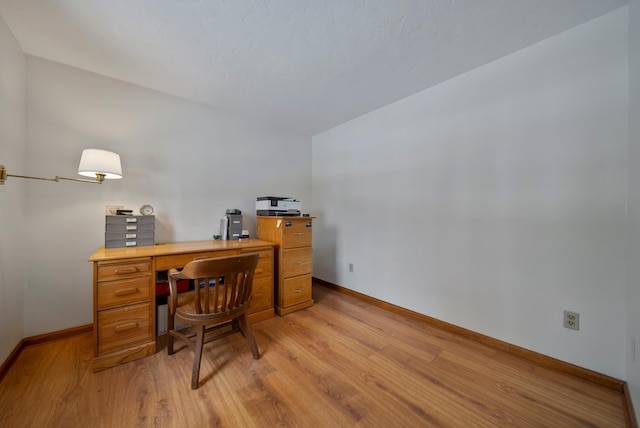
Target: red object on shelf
{"points": [[162, 288]]}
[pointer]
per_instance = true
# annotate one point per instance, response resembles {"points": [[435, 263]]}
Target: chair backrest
{"points": [[222, 284]]}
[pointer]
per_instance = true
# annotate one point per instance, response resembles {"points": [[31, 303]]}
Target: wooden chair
{"points": [[216, 308]]}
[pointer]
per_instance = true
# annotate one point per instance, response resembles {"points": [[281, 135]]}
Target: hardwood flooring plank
{"points": [[500, 397], [578, 396], [391, 325], [394, 395], [339, 363], [324, 385]]}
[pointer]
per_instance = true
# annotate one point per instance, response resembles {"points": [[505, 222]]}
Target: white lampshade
{"points": [[96, 161]]}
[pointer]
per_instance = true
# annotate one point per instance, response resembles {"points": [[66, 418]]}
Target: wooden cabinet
{"points": [[124, 316], [293, 261]]}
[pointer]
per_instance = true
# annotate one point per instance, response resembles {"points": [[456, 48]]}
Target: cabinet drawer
{"points": [[113, 293], [124, 326], [111, 242], [262, 295], [147, 228], [129, 219], [296, 262], [296, 233], [296, 290], [178, 261], [108, 271]]}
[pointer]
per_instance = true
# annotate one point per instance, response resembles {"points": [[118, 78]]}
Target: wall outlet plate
{"points": [[571, 320]]}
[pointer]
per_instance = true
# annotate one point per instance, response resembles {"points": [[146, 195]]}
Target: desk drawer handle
{"points": [[298, 233], [126, 291], [125, 327], [298, 290], [122, 271], [259, 271]]}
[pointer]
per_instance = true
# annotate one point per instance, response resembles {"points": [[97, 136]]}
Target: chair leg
{"points": [[195, 374], [247, 332], [170, 327]]}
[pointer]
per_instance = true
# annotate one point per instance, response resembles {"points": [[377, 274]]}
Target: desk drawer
{"points": [[263, 253], [109, 271], [112, 293], [296, 262], [124, 326], [262, 295], [296, 290], [178, 261], [265, 266]]}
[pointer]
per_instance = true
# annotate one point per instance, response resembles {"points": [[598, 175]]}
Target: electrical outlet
{"points": [[111, 209], [350, 267], [571, 320]]}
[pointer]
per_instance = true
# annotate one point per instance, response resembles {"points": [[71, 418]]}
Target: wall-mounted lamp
{"points": [[96, 163]]}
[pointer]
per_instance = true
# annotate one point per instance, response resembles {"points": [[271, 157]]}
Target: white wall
{"points": [[12, 202], [495, 200], [633, 293], [189, 161]]}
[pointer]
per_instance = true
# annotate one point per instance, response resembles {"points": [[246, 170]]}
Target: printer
{"points": [[275, 205]]}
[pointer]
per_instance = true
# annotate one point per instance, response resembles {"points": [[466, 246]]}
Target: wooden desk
{"points": [[124, 305]]}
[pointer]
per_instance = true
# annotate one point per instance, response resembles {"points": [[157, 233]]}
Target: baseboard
{"points": [[39, 339], [534, 357], [13, 356]]}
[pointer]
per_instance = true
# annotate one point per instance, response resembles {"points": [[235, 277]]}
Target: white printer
{"points": [[275, 205]]}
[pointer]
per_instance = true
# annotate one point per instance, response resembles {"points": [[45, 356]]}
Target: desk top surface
{"points": [[169, 248]]}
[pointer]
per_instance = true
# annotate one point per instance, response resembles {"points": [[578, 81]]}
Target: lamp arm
{"points": [[99, 179], [3, 176]]}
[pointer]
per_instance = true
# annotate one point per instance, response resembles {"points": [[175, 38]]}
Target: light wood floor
{"points": [[340, 363]]}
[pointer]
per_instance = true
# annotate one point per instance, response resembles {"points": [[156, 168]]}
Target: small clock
{"points": [[146, 210]]}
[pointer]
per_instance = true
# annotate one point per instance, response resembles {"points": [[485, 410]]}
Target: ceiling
{"points": [[306, 65]]}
